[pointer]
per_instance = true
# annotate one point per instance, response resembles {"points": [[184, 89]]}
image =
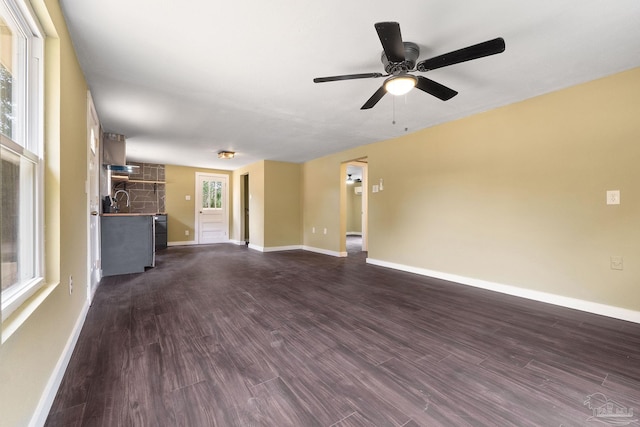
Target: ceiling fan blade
{"points": [[347, 77], [434, 88], [374, 98], [391, 39], [468, 53]]}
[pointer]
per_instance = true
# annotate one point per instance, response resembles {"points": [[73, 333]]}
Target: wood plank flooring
{"points": [[225, 336]]}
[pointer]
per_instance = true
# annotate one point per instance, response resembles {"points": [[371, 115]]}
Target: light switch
{"points": [[375, 188], [187, 197]]}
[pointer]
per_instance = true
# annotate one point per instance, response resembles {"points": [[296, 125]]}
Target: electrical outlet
{"points": [[613, 197], [187, 197], [617, 263], [325, 230], [375, 188], [313, 230], [186, 232], [70, 285]]}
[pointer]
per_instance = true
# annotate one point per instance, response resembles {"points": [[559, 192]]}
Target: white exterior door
{"points": [[212, 213], [93, 197]]}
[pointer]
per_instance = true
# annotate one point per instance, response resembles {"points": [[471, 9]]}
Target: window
{"points": [[212, 194], [20, 155]]}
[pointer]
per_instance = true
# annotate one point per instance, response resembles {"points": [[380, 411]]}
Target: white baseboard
{"points": [[574, 303], [238, 242], [282, 248], [324, 251], [46, 400], [185, 243], [274, 248]]}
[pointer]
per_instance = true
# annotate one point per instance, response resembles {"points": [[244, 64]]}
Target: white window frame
{"points": [[29, 144]]}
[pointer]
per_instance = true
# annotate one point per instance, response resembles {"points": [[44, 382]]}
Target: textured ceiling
{"points": [[183, 80]]}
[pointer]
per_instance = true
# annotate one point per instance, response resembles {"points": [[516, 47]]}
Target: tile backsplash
{"points": [[145, 197]]}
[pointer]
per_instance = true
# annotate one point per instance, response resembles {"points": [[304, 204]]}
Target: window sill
{"points": [[26, 309]]}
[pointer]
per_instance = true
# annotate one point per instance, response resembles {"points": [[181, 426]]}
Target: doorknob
{"points": [[94, 213]]}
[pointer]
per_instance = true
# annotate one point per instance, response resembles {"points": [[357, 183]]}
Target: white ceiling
{"points": [[185, 79]]}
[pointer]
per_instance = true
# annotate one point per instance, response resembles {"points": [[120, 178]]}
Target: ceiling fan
{"points": [[399, 59]]}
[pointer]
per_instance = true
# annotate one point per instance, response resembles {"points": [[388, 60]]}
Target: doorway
{"points": [[93, 199], [212, 213], [355, 211]]}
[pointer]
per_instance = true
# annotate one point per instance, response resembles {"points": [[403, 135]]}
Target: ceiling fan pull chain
{"points": [[393, 122]]}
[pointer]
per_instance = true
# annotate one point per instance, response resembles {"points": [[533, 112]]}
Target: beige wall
{"points": [[274, 205], [515, 195], [180, 182], [28, 358], [275, 209], [255, 172], [322, 185], [282, 216]]}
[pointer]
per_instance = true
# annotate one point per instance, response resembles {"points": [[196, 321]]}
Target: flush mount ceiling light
{"points": [[226, 154], [400, 85], [349, 179]]}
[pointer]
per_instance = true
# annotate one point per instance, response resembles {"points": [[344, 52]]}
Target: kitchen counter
{"points": [[128, 243]]}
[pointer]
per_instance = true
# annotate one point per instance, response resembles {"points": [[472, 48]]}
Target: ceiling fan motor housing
{"points": [[411, 54]]}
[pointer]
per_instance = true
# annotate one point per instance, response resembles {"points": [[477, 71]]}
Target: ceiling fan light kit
{"points": [[399, 58], [400, 85]]}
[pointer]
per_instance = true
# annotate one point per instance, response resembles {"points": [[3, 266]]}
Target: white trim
{"points": [[238, 242], [46, 399], [568, 302], [324, 251], [10, 324], [282, 248], [94, 272], [14, 299], [274, 248], [185, 243]]}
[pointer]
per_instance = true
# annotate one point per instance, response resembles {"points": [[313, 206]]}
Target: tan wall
{"points": [[515, 195], [29, 356], [275, 214], [283, 215], [256, 203], [354, 208], [180, 182], [321, 184]]}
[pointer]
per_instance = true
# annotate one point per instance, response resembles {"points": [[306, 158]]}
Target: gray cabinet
{"points": [[127, 243]]}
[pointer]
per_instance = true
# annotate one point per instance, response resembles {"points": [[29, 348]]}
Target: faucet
{"points": [[115, 195]]}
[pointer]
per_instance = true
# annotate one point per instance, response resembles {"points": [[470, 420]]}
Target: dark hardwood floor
{"points": [[225, 336]]}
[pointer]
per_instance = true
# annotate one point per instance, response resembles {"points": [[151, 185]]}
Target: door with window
{"points": [[212, 213]]}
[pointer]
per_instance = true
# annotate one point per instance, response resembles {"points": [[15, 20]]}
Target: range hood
{"points": [[114, 153]]}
